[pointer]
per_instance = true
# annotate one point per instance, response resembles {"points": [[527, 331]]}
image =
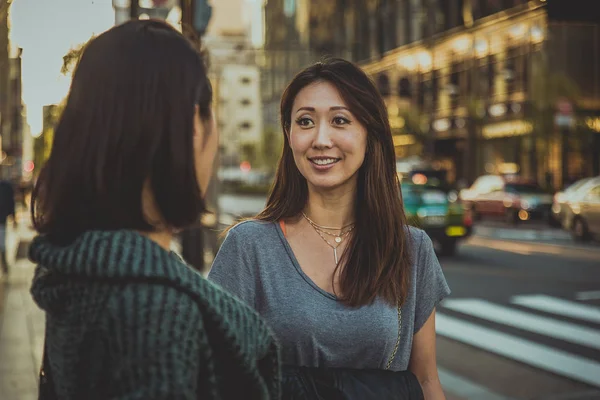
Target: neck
{"points": [[162, 238], [331, 209]]}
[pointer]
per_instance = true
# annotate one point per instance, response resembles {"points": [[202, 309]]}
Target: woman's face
{"points": [[206, 143], [327, 140]]}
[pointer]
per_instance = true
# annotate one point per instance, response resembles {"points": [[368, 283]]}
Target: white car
{"points": [[582, 214]]}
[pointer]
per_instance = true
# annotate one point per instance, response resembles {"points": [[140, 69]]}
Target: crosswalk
{"points": [[558, 335]]}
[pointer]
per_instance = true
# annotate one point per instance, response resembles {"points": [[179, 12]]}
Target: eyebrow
{"points": [[334, 108]]}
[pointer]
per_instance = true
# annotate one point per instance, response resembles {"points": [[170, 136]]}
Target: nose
{"points": [[323, 138]]}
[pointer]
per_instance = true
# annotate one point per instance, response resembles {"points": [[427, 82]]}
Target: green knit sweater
{"points": [[126, 319]]}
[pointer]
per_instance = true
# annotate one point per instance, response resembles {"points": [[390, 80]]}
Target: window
{"points": [[245, 80], [383, 84], [421, 93], [245, 102], [246, 125], [404, 88], [435, 83], [524, 189], [594, 194]]}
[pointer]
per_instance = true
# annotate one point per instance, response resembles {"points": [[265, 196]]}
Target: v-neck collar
{"points": [[297, 266]]}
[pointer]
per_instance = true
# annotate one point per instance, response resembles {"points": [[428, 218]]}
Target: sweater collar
{"points": [[109, 254]]}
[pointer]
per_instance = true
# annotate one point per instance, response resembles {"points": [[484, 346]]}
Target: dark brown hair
{"points": [[128, 120], [377, 261]]}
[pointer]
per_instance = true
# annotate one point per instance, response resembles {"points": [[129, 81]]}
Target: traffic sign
{"points": [[564, 107], [563, 121]]}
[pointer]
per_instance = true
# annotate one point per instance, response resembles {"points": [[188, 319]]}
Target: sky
{"points": [[46, 30]]}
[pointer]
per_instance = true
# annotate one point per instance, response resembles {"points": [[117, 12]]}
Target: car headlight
{"points": [[525, 204], [452, 197]]}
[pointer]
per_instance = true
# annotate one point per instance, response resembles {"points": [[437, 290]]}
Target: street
{"points": [[523, 320]]}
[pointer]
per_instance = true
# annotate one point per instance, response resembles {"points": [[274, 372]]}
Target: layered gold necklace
{"points": [[324, 231]]}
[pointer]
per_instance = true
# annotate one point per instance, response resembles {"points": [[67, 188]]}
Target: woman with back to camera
{"points": [[130, 162], [330, 263]]}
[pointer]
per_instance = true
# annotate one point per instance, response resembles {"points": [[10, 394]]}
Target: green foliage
{"points": [[72, 57]]}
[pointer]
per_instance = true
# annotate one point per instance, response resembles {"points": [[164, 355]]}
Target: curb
{"points": [[522, 234]]}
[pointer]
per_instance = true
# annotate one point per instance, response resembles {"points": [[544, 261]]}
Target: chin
{"points": [[328, 183]]}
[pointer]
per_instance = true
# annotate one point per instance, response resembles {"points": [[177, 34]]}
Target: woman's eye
{"points": [[340, 121], [304, 122]]}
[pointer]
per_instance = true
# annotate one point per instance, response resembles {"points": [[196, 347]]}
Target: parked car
{"points": [[513, 199], [438, 214], [560, 204], [582, 214]]}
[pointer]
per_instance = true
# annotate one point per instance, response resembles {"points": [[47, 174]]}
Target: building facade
{"points": [[4, 76], [496, 88], [11, 105], [239, 115]]}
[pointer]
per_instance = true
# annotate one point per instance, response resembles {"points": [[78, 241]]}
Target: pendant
{"points": [[338, 239], [335, 256]]}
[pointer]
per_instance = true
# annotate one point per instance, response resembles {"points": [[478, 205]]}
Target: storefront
{"points": [[507, 143]]}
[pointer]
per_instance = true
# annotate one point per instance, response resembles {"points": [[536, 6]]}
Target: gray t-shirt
{"points": [[314, 329]]}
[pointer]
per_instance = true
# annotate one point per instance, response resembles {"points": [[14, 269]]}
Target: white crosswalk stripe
{"points": [[559, 306], [530, 322], [490, 334]]}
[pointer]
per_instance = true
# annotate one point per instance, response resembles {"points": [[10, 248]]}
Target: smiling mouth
{"points": [[324, 161]]}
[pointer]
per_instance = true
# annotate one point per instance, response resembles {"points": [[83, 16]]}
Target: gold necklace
{"points": [[338, 238], [313, 223]]}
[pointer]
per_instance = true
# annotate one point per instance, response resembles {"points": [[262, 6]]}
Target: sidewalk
{"points": [[21, 321], [523, 232], [21, 335]]}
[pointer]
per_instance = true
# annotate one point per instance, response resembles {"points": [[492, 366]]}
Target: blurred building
{"points": [[231, 43], [491, 85], [43, 143], [239, 116], [159, 9], [4, 73], [12, 142], [11, 104], [296, 35]]}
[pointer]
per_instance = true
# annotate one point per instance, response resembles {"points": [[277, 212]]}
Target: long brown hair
{"points": [[377, 261]]}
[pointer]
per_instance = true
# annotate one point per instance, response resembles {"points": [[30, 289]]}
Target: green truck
{"points": [[438, 213]]}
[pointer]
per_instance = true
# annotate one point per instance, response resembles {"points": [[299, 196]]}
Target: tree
{"points": [[72, 58]]}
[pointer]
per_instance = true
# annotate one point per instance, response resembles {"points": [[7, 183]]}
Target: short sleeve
{"points": [[431, 285], [233, 268]]}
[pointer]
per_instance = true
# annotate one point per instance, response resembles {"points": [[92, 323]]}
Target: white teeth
{"points": [[324, 161]]}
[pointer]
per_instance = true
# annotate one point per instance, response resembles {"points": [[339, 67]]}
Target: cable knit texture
{"points": [[126, 319]]}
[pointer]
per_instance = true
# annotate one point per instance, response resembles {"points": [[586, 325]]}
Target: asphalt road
{"points": [[523, 321]]}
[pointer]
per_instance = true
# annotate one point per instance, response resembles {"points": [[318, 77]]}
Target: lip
{"points": [[323, 167]]}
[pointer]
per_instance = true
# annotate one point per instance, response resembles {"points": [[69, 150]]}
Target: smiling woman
{"points": [[322, 118], [330, 262]]}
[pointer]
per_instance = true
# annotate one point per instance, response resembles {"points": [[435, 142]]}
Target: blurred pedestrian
{"points": [[7, 212], [132, 155], [331, 263]]}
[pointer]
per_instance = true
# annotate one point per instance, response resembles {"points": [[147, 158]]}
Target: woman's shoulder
{"points": [[416, 238], [421, 248], [252, 227], [253, 230]]}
